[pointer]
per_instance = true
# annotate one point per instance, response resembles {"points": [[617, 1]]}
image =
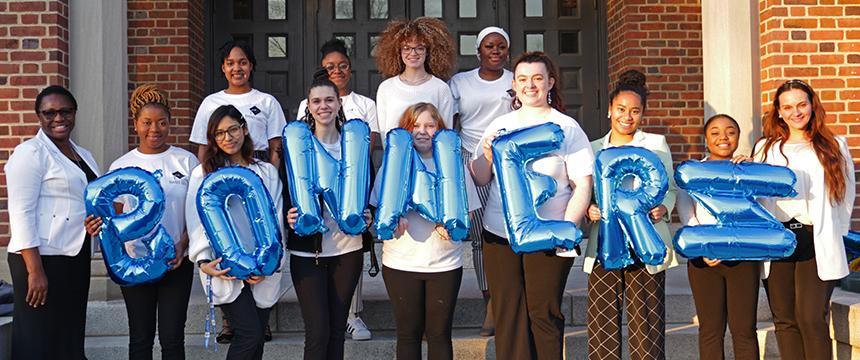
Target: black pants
{"points": [[54, 330], [324, 287], [423, 304], [526, 290], [726, 293], [248, 323], [800, 301], [168, 300], [646, 312]]}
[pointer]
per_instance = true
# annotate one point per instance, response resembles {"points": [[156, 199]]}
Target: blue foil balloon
{"points": [[312, 172], [624, 211], [523, 190], [406, 184], [142, 222], [745, 229], [215, 190]]}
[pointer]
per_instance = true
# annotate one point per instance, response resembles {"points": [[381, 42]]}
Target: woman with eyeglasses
{"points": [[247, 303], [416, 56], [49, 249], [795, 134], [337, 65]]}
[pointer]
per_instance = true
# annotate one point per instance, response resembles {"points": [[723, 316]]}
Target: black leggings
{"points": [[248, 323], [324, 287], [423, 303], [166, 300], [54, 330]]}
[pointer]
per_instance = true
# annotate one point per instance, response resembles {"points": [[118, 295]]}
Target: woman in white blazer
{"points": [[49, 250], [799, 286], [247, 303], [642, 285]]}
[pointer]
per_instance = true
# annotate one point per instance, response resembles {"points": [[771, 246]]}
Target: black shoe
{"points": [[226, 333], [489, 326], [267, 334]]}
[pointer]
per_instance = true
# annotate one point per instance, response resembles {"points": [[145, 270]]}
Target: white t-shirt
{"points": [[354, 106], [393, 97], [334, 241], [175, 165], [479, 102], [262, 111], [573, 160], [420, 249], [803, 162]]}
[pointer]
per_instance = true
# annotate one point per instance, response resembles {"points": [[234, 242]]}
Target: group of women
{"points": [[49, 250]]}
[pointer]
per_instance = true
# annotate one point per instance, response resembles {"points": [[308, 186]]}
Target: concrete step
{"points": [[108, 318], [681, 343]]}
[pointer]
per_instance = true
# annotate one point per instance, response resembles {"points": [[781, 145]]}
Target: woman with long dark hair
{"points": [[798, 287]]}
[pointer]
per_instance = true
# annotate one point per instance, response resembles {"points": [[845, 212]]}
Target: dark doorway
{"points": [[286, 34]]}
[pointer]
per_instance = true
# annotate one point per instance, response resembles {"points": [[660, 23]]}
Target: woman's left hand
{"points": [[442, 232], [657, 213], [93, 225], [740, 158], [181, 246], [255, 280], [368, 217]]}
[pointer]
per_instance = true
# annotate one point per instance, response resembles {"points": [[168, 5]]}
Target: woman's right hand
{"points": [[211, 270], [593, 213], [487, 147], [711, 262], [93, 225], [37, 289], [292, 217], [402, 225]]}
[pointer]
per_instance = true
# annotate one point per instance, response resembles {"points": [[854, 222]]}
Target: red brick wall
{"points": [[34, 53], [165, 47], [817, 41], [663, 39]]}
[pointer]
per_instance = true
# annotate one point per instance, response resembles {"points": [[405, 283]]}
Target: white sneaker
{"points": [[357, 329]]}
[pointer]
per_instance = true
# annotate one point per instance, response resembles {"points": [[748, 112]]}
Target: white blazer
{"points": [[267, 292], [46, 197], [830, 222]]}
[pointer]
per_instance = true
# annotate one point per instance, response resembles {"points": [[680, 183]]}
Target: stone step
{"points": [[108, 318], [681, 343]]}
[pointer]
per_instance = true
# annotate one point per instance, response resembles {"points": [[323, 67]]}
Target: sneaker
{"points": [[267, 334], [226, 334], [357, 329]]}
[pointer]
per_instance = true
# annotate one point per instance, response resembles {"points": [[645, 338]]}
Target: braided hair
{"points": [[147, 95]]}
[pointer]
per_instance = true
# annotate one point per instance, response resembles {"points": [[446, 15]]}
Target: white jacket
{"points": [[46, 197], [267, 292], [829, 222]]}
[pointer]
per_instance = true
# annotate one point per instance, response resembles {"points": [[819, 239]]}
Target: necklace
{"points": [[414, 82]]}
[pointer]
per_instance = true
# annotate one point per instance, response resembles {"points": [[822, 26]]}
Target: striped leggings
{"points": [[477, 228]]}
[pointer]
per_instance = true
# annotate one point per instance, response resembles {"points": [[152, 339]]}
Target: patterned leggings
{"points": [[477, 228]]}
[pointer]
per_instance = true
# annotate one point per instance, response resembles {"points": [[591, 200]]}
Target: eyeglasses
{"points": [[343, 67], [51, 114], [234, 131], [420, 50]]}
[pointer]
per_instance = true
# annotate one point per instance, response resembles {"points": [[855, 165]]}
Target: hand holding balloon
{"points": [[211, 269], [93, 224], [657, 213]]}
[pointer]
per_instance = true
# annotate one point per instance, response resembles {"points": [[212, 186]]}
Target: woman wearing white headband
{"points": [[481, 95]]}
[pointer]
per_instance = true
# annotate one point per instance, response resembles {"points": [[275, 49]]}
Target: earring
{"points": [[549, 98]]}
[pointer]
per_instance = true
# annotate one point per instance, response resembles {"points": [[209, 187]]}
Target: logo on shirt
{"points": [[255, 110], [179, 178], [178, 175]]}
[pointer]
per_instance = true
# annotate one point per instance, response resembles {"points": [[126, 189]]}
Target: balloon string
{"points": [[210, 317]]}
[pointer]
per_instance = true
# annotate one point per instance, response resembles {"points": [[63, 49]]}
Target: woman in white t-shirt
{"points": [[480, 96], [795, 134], [422, 266], [325, 268], [416, 56], [263, 113], [527, 288], [168, 297], [247, 303]]}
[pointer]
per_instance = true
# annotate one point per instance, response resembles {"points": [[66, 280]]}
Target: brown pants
{"points": [[800, 301], [526, 291], [728, 291], [646, 312]]}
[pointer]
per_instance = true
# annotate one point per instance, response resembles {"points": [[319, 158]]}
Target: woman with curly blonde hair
{"points": [[416, 56]]}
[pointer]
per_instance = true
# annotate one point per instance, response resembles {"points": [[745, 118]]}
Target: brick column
{"points": [[34, 53], [817, 41], [166, 47], [663, 39]]}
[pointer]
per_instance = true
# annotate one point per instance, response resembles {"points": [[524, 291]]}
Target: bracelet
{"points": [[201, 262]]}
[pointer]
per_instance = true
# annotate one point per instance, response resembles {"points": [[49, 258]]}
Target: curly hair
{"points": [[432, 32], [145, 95]]}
